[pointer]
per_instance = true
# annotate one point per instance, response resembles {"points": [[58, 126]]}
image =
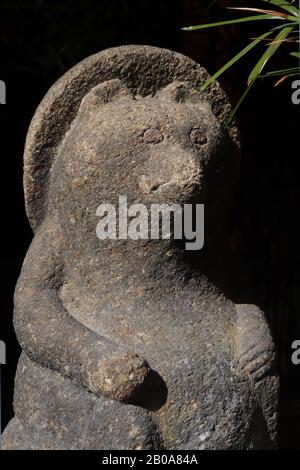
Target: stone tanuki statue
{"points": [[131, 344]]}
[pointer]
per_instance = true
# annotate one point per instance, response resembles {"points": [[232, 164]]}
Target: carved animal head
{"points": [[167, 148], [131, 120]]}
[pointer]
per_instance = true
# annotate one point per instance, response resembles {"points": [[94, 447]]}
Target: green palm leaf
{"points": [[284, 5], [223, 23], [271, 49], [288, 15], [238, 56], [275, 73]]}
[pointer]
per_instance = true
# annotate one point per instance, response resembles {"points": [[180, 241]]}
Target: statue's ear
{"points": [[183, 92], [106, 92]]}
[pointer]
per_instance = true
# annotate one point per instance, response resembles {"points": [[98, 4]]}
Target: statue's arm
{"points": [[55, 339]]}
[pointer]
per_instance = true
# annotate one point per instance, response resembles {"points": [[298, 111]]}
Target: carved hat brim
{"points": [[143, 69]]}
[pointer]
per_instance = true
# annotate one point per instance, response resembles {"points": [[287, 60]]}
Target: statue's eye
{"points": [[153, 136], [198, 136]]}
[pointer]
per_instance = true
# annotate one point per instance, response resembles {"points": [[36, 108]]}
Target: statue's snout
{"points": [[171, 173]]}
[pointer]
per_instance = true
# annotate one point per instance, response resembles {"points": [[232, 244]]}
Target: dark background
{"points": [[40, 40]]}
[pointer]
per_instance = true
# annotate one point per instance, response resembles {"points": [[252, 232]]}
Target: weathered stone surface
{"points": [[129, 344]]}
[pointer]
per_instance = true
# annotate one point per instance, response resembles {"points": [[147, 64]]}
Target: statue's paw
{"points": [[258, 362], [255, 349], [120, 377]]}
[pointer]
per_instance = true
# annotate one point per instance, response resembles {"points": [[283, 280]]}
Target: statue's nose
{"points": [[169, 169]]}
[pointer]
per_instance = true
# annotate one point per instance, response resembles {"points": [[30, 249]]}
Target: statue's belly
{"points": [[177, 331]]}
